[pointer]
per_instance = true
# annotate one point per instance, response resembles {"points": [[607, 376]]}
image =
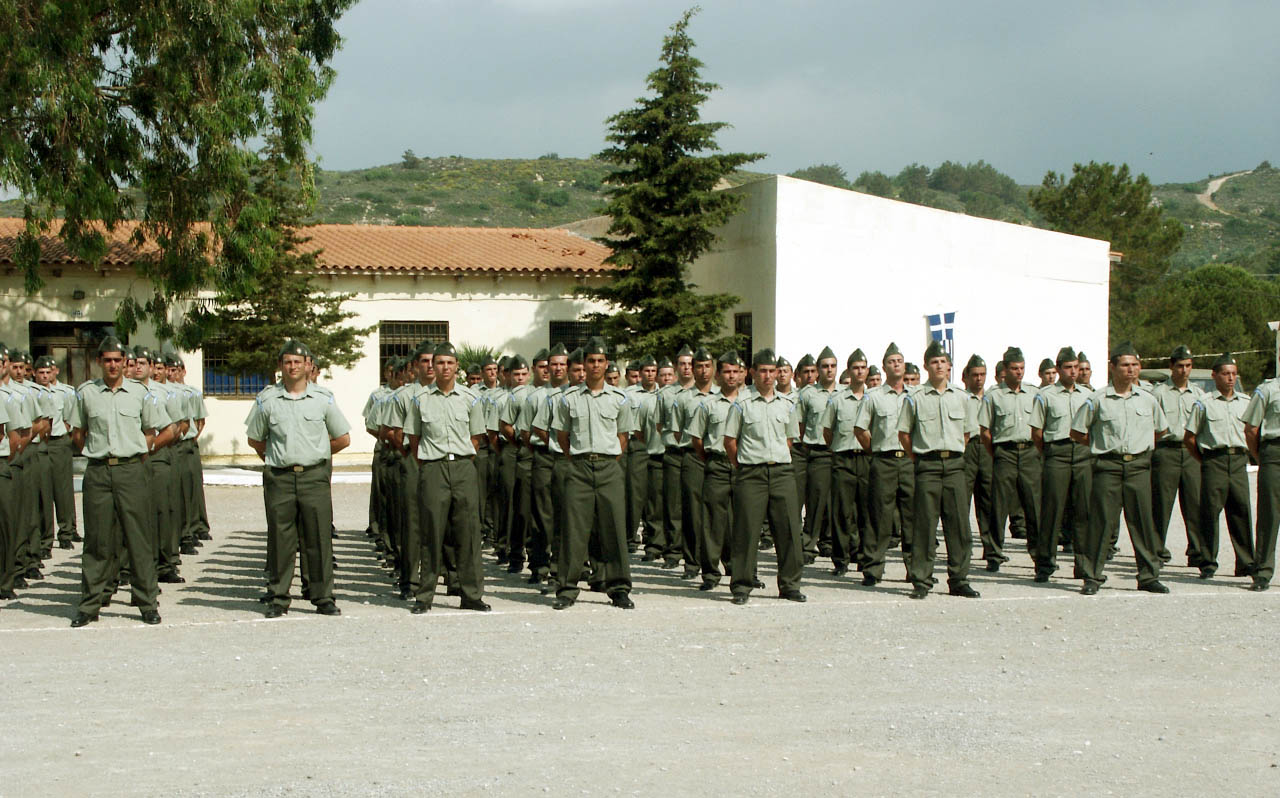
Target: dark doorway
{"points": [[74, 346]]}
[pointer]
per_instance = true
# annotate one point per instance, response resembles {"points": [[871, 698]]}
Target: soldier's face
{"points": [[730, 376], [666, 376], [1013, 373], [1224, 378], [911, 379], [559, 367], [975, 378], [520, 377], [446, 368], [142, 370], [293, 367], [633, 376], [1084, 372], [702, 371], [1124, 372], [577, 373], [826, 370], [858, 373], [422, 367], [491, 374], [938, 368], [763, 377], [1067, 373], [783, 376], [1180, 370], [541, 369], [113, 364], [874, 380], [684, 366], [895, 366], [612, 378], [130, 368], [473, 379], [1049, 376], [4, 367], [594, 366], [648, 375], [44, 376]]}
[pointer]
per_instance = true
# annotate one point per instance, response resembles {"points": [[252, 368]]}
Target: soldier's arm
{"points": [[542, 434], [904, 438], [158, 440], [1189, 441], [562, 436], [731, 449], [987, 442], [18, 439], [509, 432], [413, 445], [260, 447], [1037, 437], [1251, 440], [622, 442], [339, 443], [863, 436]]}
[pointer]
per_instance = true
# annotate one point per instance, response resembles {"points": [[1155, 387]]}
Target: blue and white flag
{"points": [[942, 329]]}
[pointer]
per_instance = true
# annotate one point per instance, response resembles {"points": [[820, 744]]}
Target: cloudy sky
{"points": [[1176, 89]]}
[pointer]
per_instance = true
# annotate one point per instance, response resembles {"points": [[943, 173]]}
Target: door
{"points": [[73, 345]]}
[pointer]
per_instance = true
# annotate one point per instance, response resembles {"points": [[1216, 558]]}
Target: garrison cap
{"points": [[858, 355], [423, 348], [1224, 359], [1046, 364], [633, 365], [765, 357], [826, 354], [171, 359], [784, 363], [729, 358], [874, 371], [646, 360], [109, 344], [1013, 355], [1123, 349], [487, 361], [4, 351], [703, 355], [935, 349], [1082, 357], [911, 368], [665, 363], [473, 370], [685, 351], [999, 365], [46, 362], [444, 349], [1066, 354], [294, 347], [975, 362], [557, 350], [891, 351], [24, 356], [140, 352], [806, 361], [577, 356], [541, 356], [594, 346], [612, 368], [504, 362], [1180, 352], [517, 362]]}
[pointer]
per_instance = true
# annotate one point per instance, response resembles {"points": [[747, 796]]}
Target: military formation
{"points": [[568, 467]]}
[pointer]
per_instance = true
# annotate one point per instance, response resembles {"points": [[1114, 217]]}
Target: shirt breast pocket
{"points": [[130, 418], [99, 420], [927, 411], [609, 415], [957, 412]]}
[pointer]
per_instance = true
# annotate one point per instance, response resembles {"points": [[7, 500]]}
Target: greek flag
{"points": [[942, 328]]}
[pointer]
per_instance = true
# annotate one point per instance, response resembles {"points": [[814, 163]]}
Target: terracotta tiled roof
{"points": [[372, 248]]}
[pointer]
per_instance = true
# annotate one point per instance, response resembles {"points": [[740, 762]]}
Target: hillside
{"points": [[1245, 228]]}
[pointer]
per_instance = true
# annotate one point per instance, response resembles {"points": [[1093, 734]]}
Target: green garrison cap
{"points": [[594, 346], [541, 355], [765, 357], [1046, 364], [826, 354], [4, 352], [703, 355], [891, 351], [935, 349], [873, 371], [1180, 352], [558, 350], [729, 358], [46, 362], [1224, 359], [140, 352], [444, 349], [487, 362], [473, 370], [1082, 357], [647, 360], [517, 362], [504, 362], [911, 368], [685, 351], [1066, 354], [999, 365], [423, 348], [109, 344], [1013, 355], [1122, 349], [171, 359], [806, 361], [20, 356], [612, 368], [975, 362], [857, 356], [783, 363], [665, 363], [294, 347], [577, 356], [633, 365]]}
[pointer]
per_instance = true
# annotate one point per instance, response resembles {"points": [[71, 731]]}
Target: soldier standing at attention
{"points": [[1048, 373], [1121, 424], [693, 515], [813, 400], [52, 403], [159, 468], [1067, 472], [874, 377], [445, 426], [1175, 471], [647, 412], [402, 470], [673, 461], [785, 387], [378, 467], [592, 423], [706, 429], [1005, 419], [295, 426], [891, 483], [978, 463], [488, 390], [17, 433], [1262, 433], [934, 427], [635, 462], [116, 425], [547, 466], [851, 467], [757, 439], [60, 461], [911, 376], [33, 465], [195, 523], [1084, 371], [1214, 435], [514, 504]]}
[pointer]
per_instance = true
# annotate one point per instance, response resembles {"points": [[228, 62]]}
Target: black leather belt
{"points": [[892, 455], [716, 456], [676, 449], [817, 447], [1119, 457], [940, 455], [294, 469], [853, 453], [448, 458], [592, 457], [1015, 445], [1169, 444], [1221, 450], [115, 461]]}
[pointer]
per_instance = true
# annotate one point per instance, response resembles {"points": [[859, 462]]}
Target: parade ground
{"points": [[1030, 690]]}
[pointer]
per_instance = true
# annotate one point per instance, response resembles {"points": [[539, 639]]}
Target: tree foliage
{"points": [[252, 318], [148, 110], [829, 174], [877, 183], [664, 208], [1101, 201]]}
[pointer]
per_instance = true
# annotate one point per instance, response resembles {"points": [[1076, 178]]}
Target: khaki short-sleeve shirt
{"points": [[296, 429], [936, 420], [761, 427], [1120, 424], [1217, 421], [593, 420], [445, 423], [114, 421], [1263, 411]]}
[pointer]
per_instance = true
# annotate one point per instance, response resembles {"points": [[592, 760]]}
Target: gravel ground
{"points": [[1032, 690]]}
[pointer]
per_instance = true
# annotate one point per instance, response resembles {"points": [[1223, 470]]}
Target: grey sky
{"points": [[1176, 89]]}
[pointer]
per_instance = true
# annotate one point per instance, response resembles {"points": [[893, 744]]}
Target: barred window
{"points": [[219, 381], [400, 338], [572, 334], [742, 326]]}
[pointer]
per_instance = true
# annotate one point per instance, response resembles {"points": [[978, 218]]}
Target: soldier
{"points": [[1121, 424], [1067, 470], [377, 492], [295, 427], [512, 505], [195, 523], [547, 466], [874, 377], [693, 515], [978, 464], [785, 387], [490, 393], [475, 375], [164, 517], [706, 430], [1048, 373], [813, 400], [60, 461], [401, 470], [1005, 419], [1262, 433], [17, 434], [633, 373], [635, 462], [934, 427], [757, 437], [647, 463], [592, 423], [515, 420], [1214, 435], [677, 543], [1174, 469], [891, 482], [116, 425], [851, 468], [612, 376], [33, 465], [804, 366], [55, 476], [1084, 371], [911, 376], [445, 426]]}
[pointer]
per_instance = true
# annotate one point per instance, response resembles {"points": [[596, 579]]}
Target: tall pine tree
{"points": [[665, 209]]}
